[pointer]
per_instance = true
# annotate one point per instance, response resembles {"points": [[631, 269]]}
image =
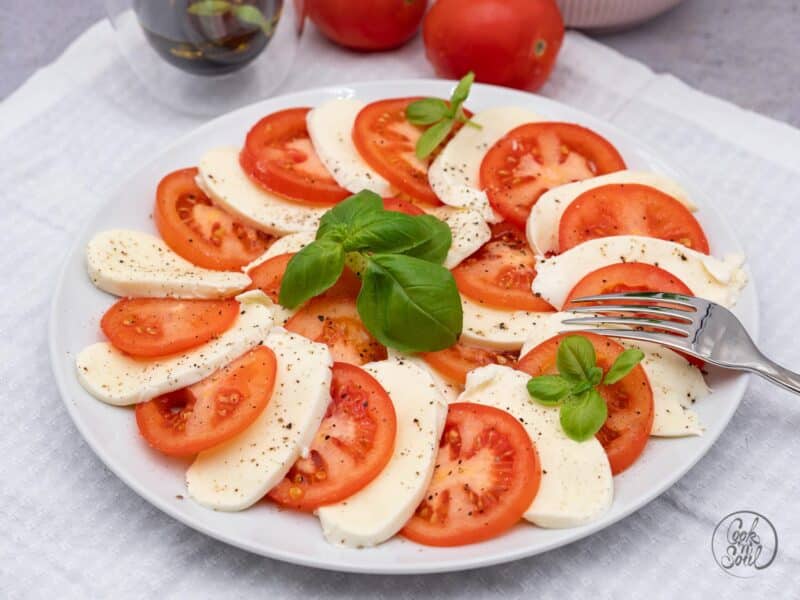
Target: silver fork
{"points": [[692, 325]]}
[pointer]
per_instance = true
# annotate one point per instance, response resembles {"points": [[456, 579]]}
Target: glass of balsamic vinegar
{"points": [[208, 56]]}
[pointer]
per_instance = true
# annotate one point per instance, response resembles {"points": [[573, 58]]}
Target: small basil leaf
{"points": [[409, 304], [582, 416], [426, 111], [595, 376], [209, 8], [625, 362], [581, 387], [575, 358], [461, 92], [247, 13], [437, 240], [335, 223], [548, 389], [310, 272], [433, 136]]}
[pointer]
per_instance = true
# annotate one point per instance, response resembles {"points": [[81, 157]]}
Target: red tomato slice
{"points": [[455, 362], [629, 209], [487, 474], [353, 444], [147, 327], [399, 205], [629, 401], [211, 411], [535, 157], [386, 141], [200, 232], [501, 272], [278, 155], [268, 275]]}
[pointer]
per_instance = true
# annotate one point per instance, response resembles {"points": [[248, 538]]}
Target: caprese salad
{"points": [[357, 313]]}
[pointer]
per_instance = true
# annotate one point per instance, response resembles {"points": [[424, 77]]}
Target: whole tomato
{"points": [[367, 24], [505, 42]]}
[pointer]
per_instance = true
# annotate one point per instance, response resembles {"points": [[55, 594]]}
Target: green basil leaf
{"points": [[437, 240], [575, 358], [548, 389], [433, 136], [409, 304], [310, 272], [247, 13], [209, 8], [595, 376], [338, 221], [625, 362], [582, 416], [426, 111], [461, 92], [386, 231]]}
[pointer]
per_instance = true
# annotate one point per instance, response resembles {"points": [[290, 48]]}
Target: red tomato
{"points": [[278, 155], [211, 411], [629, 401], [504, 42], [535, 157], [268, 275], [487, 475], [399, 205], [200, 232], [455, 362], [352, 446], [147, 327], [501, 272], [629, 209], [367, 24]]}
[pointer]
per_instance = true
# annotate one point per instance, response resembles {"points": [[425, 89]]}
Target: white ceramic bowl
{"points": [[611, 14]]}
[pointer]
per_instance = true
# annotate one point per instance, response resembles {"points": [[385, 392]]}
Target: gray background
{"points": [[740, 50]]}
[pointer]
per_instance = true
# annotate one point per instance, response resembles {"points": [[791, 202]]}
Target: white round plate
{"points": [[263, 529]]}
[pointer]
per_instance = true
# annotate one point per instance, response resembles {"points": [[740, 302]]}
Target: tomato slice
{"points": [[535, 157], [278, 155], [500, 274], [455, 362], [200, 232], [268, 275], [354, 443], [387, 142], [487, 474], [148, 327], [397, 204], [629, 209], [629, 401], [211, 411]]}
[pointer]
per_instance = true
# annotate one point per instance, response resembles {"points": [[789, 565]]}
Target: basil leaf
{"points": [[209, 8], [625, 362], [575, 358], [386, 231], [548, 389], [338, 221], [426, 111], [409, 304], [461, 92], [247, 13], [595, 376], [582, 416], [438, 240], [310, 272], [433, 136]]}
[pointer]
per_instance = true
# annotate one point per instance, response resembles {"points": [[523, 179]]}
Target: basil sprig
{"points": [[574, 389], [408, 300], [439, 116]]}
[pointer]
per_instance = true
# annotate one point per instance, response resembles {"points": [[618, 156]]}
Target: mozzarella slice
{"points": [[288, 244], [238, 473], [469, 229], [675, 382], [711, 278], [224, 181], [330, 127], [117, 378], [545, 216], [497, 329], [379, 510], [454, 175], [447, 389], [576, 485], [136, 264]]}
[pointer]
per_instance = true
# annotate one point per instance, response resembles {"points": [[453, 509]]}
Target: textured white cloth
{"points": [[70, 529]]}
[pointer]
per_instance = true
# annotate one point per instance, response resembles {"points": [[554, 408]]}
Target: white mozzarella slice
{"points": [[330, 127], [497, 329], [117, 378], [447, 389], [576, 485], [545, 216], [221, 177], [238, 473], [379, 510], [135, 264], [454, 173], [469, 229], [676, 383], [711, 278]]}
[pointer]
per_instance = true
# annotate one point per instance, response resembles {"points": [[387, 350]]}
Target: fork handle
{"points": [[775, 373]]}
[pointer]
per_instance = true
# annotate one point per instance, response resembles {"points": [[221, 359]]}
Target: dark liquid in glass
{"points": [[206, 44]]}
